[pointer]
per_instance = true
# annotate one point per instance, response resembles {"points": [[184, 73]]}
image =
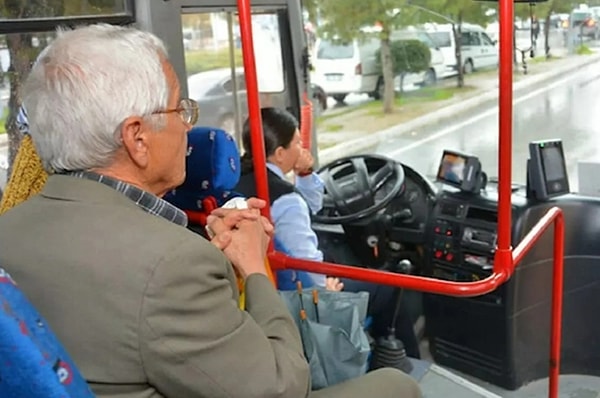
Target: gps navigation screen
{"points": [[452, 168]]}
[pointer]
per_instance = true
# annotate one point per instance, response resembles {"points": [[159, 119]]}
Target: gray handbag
{"points": [[331, 325]]}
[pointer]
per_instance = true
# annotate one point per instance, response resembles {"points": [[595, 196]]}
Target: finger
{"points": [[267, 226], [221, 241], [256, 203], [215, 226], [231, 217]]}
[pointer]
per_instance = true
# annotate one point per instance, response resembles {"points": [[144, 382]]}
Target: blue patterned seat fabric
{"points": [[33, 364], [212, 169]]}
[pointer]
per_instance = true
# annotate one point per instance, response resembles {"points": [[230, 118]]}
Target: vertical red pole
{"points": [[557, 304], [258, 145], [503, 259]]}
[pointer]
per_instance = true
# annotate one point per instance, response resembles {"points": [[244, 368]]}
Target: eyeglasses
{"points": [[187, 109]]}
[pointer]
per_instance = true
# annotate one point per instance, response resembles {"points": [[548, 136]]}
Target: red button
{"points": [[449, 257], [438, 253], [437, 230], [448, 232]]}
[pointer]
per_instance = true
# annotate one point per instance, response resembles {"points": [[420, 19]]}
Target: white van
{"points": [[346, 68], [351, 68], [477, 49]]}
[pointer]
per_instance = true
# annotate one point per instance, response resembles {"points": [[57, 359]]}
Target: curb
{"points": [[450, 111], [3, 140]]}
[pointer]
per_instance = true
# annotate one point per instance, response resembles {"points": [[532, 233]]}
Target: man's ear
{"points": [[134, 135]]}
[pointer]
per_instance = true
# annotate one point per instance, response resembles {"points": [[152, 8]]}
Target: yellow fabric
{"points": [[27, 178], [241, 285]]}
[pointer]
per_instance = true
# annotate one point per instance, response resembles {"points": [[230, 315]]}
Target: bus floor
{"points": [[437, 382]]}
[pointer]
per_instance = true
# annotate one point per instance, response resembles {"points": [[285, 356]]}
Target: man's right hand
{"points": [[248, 248], [243, 235]]}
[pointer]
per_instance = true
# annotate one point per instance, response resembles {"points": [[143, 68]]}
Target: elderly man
{"points": [[145, 307]]}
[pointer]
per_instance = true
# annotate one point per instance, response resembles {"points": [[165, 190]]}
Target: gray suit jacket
{"points": [[145, 307]]}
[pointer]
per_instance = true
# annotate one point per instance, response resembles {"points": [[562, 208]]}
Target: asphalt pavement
{"points": [[566, 108]]}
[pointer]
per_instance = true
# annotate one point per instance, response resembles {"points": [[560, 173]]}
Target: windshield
{"points": [[331, 50]]}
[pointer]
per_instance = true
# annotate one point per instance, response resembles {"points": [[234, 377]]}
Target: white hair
{"points": [[82, 88]]}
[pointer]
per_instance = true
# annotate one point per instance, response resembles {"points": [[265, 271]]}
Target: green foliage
{"points": [[345, 18], [3, 118], [584, 50], [311, 7], [549, 7], [203, 60], [408, 56], [466, 10]]}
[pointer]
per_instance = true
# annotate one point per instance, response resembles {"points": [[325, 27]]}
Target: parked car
{"points": [[346, 68], [478, 50], [213, 90]]}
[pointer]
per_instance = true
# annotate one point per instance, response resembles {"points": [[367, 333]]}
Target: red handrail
{"points": [[554, 215], [505, 258], [258, 144]]}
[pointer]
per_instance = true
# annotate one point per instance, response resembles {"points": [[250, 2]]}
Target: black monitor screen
{"points": [[554, 165], [452, 168], [548, 171]]}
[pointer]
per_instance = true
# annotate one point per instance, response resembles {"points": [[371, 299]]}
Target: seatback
{"points": [[33, 364], [212, 171]]}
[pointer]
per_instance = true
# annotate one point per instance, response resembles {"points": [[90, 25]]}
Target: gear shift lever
{"points": [[389, 351]]}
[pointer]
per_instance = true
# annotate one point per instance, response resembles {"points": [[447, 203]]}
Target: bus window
{"points": [[35, 10], [214, 66], [18, 51]]}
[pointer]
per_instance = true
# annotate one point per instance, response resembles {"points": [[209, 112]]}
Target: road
{"points": [[566, 109]]}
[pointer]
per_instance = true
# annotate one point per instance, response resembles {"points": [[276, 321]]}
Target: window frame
{"points": [[36, 25]]}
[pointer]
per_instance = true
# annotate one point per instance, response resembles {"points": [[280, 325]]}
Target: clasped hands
{"points": [[243, 235]]}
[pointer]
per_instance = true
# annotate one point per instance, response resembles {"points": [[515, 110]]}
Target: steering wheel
{"points": [[352, 185]]}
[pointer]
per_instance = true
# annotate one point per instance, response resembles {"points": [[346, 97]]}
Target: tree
{"points": [[408, 56], [312, 9], [344, 19], [549, 8]]}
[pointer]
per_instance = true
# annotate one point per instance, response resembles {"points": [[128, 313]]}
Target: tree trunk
{"points": [[457, 32], [388, 74], [547, 35]]}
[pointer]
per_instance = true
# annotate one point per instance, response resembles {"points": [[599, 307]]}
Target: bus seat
{"points": [[33, 364], [212, 171]]}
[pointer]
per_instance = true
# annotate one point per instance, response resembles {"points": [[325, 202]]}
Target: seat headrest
{"points": [[212, 168]]}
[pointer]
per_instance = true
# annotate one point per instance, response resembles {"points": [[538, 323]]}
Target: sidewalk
{"points": [[357, 130]]}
